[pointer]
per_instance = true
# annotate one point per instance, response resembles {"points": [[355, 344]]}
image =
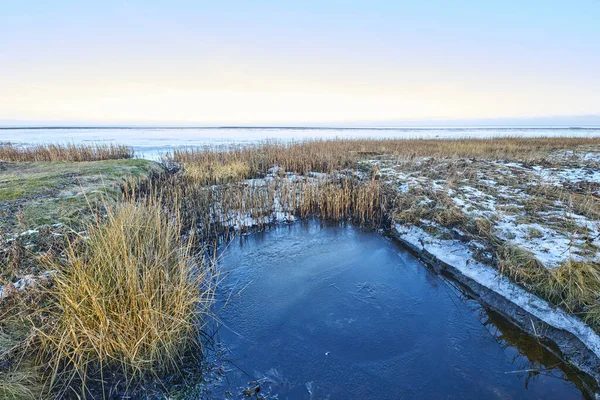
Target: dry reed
{"points": [[216, 211], [64, 152], [129, 298], [332, 155]]}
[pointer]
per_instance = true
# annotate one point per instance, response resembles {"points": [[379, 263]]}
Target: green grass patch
{"points": [[44, 193]]}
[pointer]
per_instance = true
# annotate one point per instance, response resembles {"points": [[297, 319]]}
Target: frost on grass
{"points": [[552, 211]]}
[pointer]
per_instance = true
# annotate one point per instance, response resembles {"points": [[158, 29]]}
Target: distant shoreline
{"points": [[437, 127]]}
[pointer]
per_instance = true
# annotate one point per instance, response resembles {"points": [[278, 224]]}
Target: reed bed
{"points": [[216, 191], [64, 152], [129, 299], [211, 165], [216, 211]]}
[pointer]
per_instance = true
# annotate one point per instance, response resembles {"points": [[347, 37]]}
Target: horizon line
{"points": [[390, 127]]}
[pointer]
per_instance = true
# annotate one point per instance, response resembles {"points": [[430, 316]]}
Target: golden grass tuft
{"points": [[217, 173], [592, 314], [573, 285], [523, 268], [64, 152], [129, 298], [576, 284]]}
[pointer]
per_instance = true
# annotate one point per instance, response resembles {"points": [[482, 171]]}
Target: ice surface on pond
{"points": [[321, 311]]}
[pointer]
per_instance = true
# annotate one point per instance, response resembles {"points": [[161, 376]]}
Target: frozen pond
{"points": [[318, 311], [152, 142]]}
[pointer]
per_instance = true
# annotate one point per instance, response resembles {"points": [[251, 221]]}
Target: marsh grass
{"points": [[64, 152], [523, 268], [20, 376], [129, 298], [327, 156], [217, 211], [217, 173], [214, 194], [573, 285], [439, 208], [12, 259], [586, 204], [211, 187], [576, 285]]}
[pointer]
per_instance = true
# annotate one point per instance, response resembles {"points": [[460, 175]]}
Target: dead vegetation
{"points": [[130, 298], [217, 211], [210, 164], [64, 152], [573, 286]]}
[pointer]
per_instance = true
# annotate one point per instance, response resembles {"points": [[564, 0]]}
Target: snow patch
{"points": [[25, 282]]}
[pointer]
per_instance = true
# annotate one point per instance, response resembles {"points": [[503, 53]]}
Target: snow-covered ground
{"points": [[549, 210]]}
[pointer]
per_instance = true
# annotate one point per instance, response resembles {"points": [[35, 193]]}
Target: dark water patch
{"points": [[315, 311]]}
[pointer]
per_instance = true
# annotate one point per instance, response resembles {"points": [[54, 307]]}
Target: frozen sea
{"points": [[152, 142]]}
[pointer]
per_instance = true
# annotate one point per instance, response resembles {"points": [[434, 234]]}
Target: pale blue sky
{"points": [[273, 62]]}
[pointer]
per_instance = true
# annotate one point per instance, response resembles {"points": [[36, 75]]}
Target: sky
{"points": [[298, 62]]}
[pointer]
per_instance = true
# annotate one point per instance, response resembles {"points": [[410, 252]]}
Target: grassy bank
{"points": [[129, 286], [535, 219], [44, 207], [42, 193]]}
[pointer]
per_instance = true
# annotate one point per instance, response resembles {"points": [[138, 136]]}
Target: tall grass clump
{"points": [[129, 298], [522, 267], [573, 285], [577, 283], [64, 152]]}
